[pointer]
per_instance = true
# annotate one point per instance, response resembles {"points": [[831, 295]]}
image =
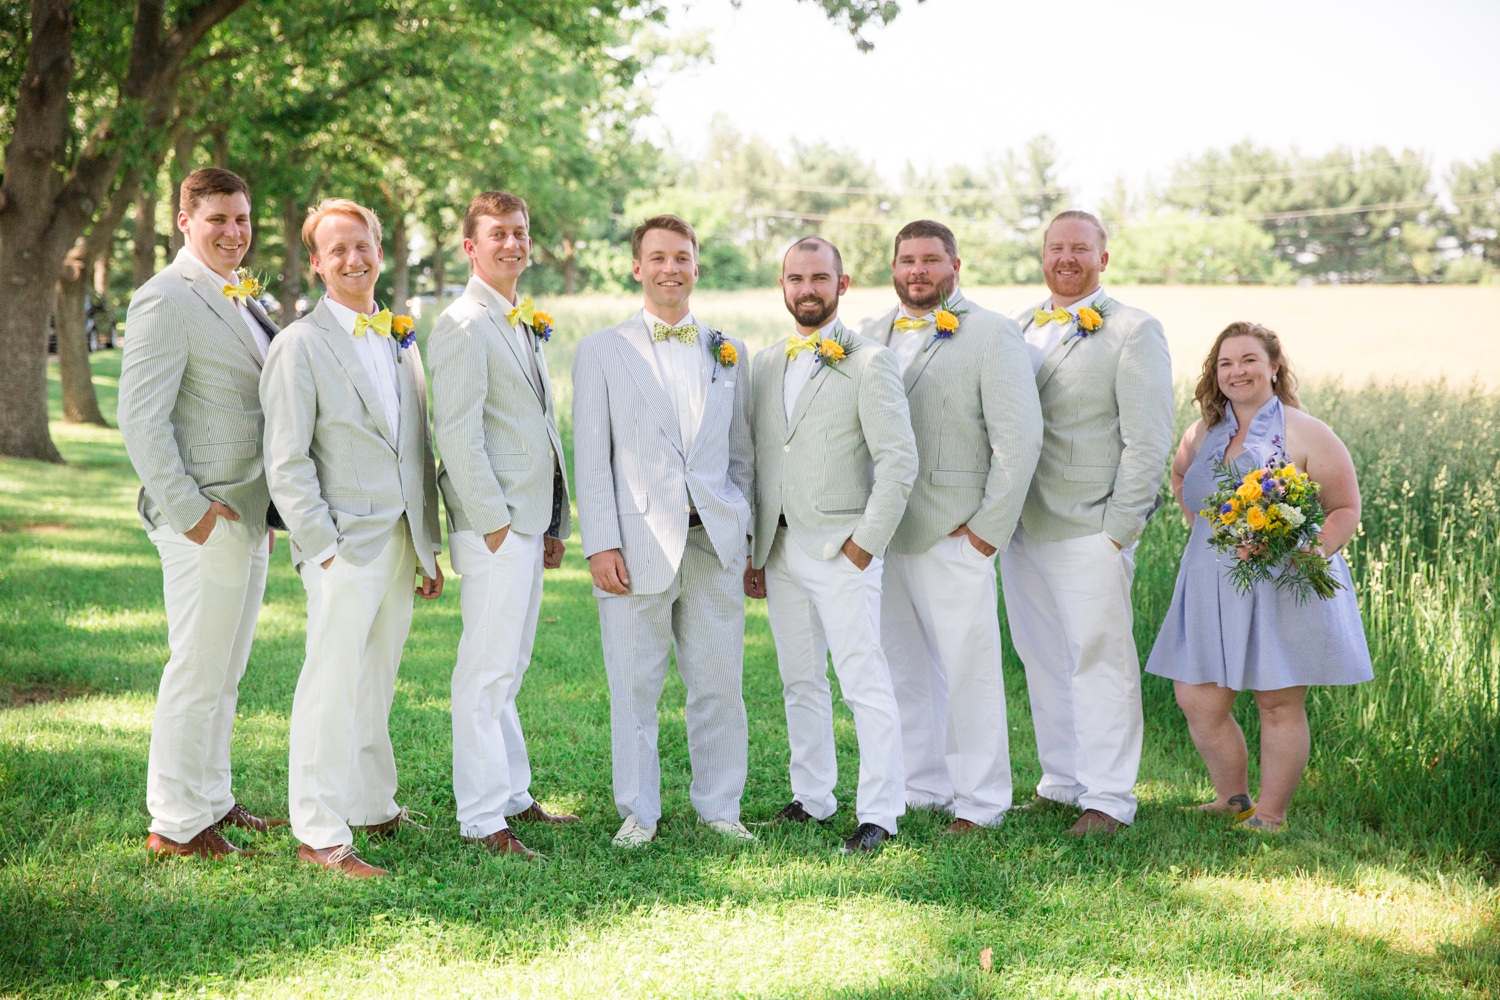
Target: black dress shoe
{"points": [[868, 837], [793, 813]]}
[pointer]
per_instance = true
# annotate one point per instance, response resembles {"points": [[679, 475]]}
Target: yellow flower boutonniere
{"points": [[724, 354], [541, 324], [403, 332], [248, 287], [945, 321], [1091, 318], [833, 349]]}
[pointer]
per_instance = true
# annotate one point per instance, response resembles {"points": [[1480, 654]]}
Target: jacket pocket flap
{"points": [[632, 503], [224, 451], [1089, 473], [348, 504], [948, 477], [509, 461], [844, 503]]}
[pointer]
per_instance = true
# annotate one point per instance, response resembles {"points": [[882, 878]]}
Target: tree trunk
{"points": [[145, 231], [80, 404], [51, 188], [570, 267], [289, 287], [436, 225], [401, 275], [183, 145]]}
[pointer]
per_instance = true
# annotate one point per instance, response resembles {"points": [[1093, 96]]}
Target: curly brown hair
{"points": [[1212, 401]]}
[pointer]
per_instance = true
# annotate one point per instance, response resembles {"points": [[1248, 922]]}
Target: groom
{"points": [[662, 466], [1105, 381], [190, 415]]}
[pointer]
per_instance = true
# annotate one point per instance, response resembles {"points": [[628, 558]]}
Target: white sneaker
{"points": [[729, 828], [634, 834]]}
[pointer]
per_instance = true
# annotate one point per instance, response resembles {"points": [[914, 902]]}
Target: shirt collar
{"points": [[342, 314], [651, 319], [185, 252], [500, 300]]}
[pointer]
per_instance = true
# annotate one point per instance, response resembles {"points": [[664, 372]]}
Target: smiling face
{"points": [[500, 250], [811, 285], [217, 231], [667, 270], [1073, 257], [348, 260], [1245, 371], [923, 274]]}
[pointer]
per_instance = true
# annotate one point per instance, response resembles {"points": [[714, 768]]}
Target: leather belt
{"points": [[694, 521]]}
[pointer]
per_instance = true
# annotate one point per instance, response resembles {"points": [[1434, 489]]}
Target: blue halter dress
{"points": [[1263, 640]]}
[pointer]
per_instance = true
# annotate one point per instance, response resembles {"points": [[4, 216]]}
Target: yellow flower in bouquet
{"points": [[1249, 492], [1256, 518]]}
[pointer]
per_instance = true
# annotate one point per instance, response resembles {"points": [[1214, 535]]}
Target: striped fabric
{"points": [[333, 469], [497, 436], [1107, 412], [843, 465], [189, 407], [978, 428]]}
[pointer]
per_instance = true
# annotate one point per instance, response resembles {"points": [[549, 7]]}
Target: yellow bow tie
{"points": [[795, 345], [525, 312], [246, 289], [906, 323], [380, 323], [1059, 316], [687, 332]]}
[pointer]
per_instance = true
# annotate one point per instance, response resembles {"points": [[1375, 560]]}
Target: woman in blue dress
{"points": [[1217, 642]]}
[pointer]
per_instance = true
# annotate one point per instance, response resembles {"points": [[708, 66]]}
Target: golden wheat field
{"points": [[1405, 333]]}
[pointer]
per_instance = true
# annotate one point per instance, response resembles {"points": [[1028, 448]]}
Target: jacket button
{"points": [[786, 447]]}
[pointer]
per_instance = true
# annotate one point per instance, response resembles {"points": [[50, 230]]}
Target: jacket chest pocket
{"points": [[853, 502]]}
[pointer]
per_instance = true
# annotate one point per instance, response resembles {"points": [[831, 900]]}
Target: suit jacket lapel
{"points": [[810, 388], [632, 336], [506, 333], [716, 400], [265, 321], [921, 361], [211, 290], [1054, 358], [881, 333], [342, 346], [406, 376]]}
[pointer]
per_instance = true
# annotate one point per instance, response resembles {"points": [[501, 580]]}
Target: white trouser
{"points": [[342, 768], [1068, 603], [702, 613], [213, 593], [500, 599], [817, 606], [940, 625]]}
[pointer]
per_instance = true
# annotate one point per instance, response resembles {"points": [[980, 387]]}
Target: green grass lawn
{"points": [[1356, 901]]}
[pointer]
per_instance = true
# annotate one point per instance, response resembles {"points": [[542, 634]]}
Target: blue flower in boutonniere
{"points": [[541, 325], [403, 332], [945, 321], [1091, 318], [725, 356]]}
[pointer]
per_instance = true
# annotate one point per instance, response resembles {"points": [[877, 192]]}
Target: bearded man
{"points": [[834, 464], [978, 430], [1104, 377]]}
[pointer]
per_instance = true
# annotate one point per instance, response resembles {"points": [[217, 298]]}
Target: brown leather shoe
{"points": [[534, 813], [340, 858], [1094, 821], [207, 844], [237, 816], [505, 842], [392, 826], [959, 827]]}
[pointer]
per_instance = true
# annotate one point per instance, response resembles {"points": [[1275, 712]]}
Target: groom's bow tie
{"points": [[687, 332], [795, 345], [906, 323], [380, 324], [1059, 316]]}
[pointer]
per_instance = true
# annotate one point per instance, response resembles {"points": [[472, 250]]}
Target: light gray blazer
{"points": [[844, 464], [333, 469], [978, 428], [1107, 416], [189, 407], [634, 482], [494, 427]]}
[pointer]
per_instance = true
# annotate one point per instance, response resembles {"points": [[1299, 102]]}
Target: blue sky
{"points": [[1125, 88]]}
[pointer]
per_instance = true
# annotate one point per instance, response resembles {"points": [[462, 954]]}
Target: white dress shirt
{"points": [[520, 333], [262, 338], [907, 344], [799, 370], [1040, 340], [683, 371], [375, 355]]}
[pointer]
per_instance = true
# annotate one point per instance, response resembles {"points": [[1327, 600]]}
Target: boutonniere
{"points": [[833, 349], [1091, 318], [541, 325], [248, 287], [725, 356], [403, 332], [945, 321]]}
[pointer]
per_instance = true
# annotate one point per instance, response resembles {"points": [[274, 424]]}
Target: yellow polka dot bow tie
{"points": [[379, 323], [795, 345], [905, 323], [687, 332], [525, 312], [244, 291], [1059, 316]]}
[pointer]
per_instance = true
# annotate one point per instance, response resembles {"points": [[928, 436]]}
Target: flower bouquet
{"points": [[1270, 520]]}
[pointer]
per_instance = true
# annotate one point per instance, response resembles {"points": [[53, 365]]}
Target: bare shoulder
{"points": [[1308, 431]]}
